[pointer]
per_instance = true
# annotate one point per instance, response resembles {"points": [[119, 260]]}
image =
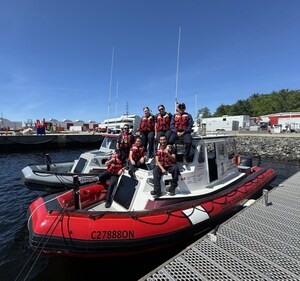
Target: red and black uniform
{"points": [[147, 123], [112, 174], [169, 166], [125, 141], [116, 165], [137, 153], [147, 129], [163, 125], [163, 157], [163, 122], [182, 122]]}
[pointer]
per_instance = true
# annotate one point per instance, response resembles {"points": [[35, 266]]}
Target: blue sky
{"points": [[56, 55]]}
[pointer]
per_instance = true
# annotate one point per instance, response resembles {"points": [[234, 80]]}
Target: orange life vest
{"points": [[116, 165], [181, 121], [163, 122], [125, 141], [137, 152], [163, 157], [147, 123]]}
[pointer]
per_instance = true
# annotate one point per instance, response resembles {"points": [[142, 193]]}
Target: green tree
{"points": [[223, 110], [204, 113]]}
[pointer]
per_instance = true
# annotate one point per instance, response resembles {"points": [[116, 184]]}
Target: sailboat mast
{"points": [[177, 69], [110, 84], [116, 113]]}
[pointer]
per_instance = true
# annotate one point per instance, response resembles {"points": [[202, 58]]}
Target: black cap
{"points": [[182, 105]]}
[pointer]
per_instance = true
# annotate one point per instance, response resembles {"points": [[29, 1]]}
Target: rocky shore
{"points": [[282, 147]]}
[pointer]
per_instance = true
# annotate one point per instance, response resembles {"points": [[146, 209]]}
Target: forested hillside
{"points": [[259, 104]]}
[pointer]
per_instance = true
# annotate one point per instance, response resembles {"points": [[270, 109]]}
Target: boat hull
{"points": [[59, 178], [57, 227]]}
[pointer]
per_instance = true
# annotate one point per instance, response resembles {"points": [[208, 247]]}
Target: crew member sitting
{"points": [[137, 156], [165, 162], [115, 167]]}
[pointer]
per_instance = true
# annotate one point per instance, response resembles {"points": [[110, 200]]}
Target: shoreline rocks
{"points": [[269, 146]]}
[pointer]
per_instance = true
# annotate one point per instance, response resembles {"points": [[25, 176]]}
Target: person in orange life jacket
{"points": [[181, 126], [137, 156], [163, 123], [115, 167], [147, 130], [125, 141], [165, 162]]}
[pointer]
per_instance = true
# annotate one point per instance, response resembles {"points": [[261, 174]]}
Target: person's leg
{"points": [[187, 138], [173, 138], [151, 144], [144, 140], [112, 185], [104, 177], [156, 177], [168, 135], [174, 182], [131, 168]]}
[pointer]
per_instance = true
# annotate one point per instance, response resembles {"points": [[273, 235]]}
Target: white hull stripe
{"points": [[196, 215]]}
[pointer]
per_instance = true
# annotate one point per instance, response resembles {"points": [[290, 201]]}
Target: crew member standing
{"points": [[181, 126], [125, 141], [147, 130], [163, 123]]}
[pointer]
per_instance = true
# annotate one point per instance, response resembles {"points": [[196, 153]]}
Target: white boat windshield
{"points": [[108, 144]]}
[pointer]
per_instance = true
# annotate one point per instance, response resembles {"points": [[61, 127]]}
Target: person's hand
{"points": [[132, 162]]}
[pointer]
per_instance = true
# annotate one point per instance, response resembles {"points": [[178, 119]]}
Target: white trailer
{"points": [[226, 123], [289, 124]]}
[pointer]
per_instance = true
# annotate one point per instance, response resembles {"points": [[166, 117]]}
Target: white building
{"points": [[116, 124], [6, 124]]}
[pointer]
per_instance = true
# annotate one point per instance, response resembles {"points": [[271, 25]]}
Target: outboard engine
{"points": [[246, 161], [48, 161]]}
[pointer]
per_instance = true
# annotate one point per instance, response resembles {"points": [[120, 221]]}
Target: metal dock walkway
{"points": [[261, 242]]}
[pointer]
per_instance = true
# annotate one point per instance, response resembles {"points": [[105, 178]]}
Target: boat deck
{"points": [[261, 242]]}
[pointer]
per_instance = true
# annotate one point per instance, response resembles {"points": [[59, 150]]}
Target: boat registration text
{"points": [[112, 234]]}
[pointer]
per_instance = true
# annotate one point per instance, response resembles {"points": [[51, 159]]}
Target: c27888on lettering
{"points": [[112, 234]]}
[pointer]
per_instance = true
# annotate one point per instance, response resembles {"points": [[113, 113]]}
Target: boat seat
{"points": [[180, 150], [150, 181]]}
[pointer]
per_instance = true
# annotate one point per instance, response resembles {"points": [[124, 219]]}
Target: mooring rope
{"points": [[57, 219]]}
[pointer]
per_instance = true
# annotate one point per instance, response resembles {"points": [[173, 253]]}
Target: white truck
{"points": [[226, 123]]}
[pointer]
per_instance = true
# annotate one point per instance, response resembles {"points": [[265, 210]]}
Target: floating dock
{"points": [[16, 143], [261, 242]]}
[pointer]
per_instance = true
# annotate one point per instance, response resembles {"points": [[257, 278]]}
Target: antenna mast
{"points": [[177, 67], [127, 108], [111, 72], [116, 113]]}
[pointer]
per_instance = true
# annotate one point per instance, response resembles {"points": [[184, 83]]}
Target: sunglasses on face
{"points": [[160, 109]]}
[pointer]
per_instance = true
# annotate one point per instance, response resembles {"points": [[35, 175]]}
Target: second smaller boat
{"points": [[53, 177]]}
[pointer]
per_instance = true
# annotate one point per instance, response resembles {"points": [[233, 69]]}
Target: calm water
{"points": [[14, 248]]}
